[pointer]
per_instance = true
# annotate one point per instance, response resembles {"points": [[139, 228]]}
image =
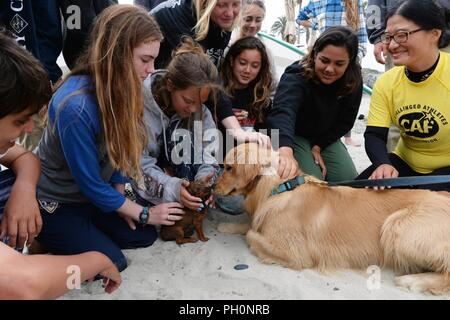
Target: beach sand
{"points": [[205, 270]]}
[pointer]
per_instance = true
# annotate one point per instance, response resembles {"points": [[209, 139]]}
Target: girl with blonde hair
{"points": [[94, 141], [209, 22], [253, 14]]}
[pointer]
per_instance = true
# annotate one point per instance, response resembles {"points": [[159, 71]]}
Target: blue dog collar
{"points": [[288, 185]]}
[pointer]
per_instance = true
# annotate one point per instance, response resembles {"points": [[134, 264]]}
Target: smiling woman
{"points": [[413, 97], [315, 104], [253, 14], [247, 79]]}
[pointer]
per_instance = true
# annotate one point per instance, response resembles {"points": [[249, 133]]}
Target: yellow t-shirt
{"points": [[420, 110]]}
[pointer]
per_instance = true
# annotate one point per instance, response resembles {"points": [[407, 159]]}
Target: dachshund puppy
{"points": [[183, 229]]}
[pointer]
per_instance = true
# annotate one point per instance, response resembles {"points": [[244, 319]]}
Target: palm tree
{"points": [[279, 26], [285, 25]]}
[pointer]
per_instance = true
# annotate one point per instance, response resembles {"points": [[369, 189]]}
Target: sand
{"points": [[205, 270]]}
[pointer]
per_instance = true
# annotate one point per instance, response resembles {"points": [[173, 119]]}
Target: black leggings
{"points": [[404, 170]]}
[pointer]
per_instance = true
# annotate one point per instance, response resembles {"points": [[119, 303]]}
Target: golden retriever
{"points": [[329, 228]]}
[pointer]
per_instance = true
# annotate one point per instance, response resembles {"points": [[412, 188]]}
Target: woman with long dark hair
{"points": [[315, 104]]}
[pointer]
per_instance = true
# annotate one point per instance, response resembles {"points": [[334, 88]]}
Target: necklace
{"points": [[421, 76]]}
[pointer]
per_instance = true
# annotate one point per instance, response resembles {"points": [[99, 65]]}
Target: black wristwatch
{"points": [[144, 216]]}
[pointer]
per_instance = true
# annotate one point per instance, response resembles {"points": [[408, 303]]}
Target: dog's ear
{"points": [[252, 174], [252, 184]]}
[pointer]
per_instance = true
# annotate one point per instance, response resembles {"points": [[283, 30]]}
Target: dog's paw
{"points": [[186, 240], [233, 228], [433, 283], [409, 282]]}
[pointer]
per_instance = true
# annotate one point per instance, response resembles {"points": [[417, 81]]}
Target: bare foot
{"points": [[349, 141]]}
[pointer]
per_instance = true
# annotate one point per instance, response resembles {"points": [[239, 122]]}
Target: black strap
{"points": [[393, 182]]}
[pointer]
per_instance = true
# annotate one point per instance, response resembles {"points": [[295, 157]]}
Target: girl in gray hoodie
{"points": [[178, 125]]}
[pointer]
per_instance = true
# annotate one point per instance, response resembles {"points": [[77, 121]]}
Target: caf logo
{"points": [[419, 124]]}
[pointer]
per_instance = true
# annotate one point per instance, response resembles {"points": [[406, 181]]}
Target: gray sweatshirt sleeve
{"points": [[159, 187], [375, 19], [210, 146]]}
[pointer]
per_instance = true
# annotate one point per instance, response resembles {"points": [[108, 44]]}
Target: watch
{"points": [[144, 216]]}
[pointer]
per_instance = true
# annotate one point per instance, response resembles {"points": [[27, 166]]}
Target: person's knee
{"points": [[147, 238], [141, 238]]}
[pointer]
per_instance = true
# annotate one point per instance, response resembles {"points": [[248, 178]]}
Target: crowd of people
{"points": [[150, 77]]}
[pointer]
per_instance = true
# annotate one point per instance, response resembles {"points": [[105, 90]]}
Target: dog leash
{"points": [[388, 182], [393, 182]]}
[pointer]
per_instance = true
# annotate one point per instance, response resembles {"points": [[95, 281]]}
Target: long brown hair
{"points": [[109, 61], [189, 67], [263, 83], [340, 37]]}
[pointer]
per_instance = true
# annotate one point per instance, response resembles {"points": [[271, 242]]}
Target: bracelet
{"points": [[144, 216]]}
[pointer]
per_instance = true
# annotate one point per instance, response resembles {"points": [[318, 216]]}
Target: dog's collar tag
{"points": [[288, 185]]}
